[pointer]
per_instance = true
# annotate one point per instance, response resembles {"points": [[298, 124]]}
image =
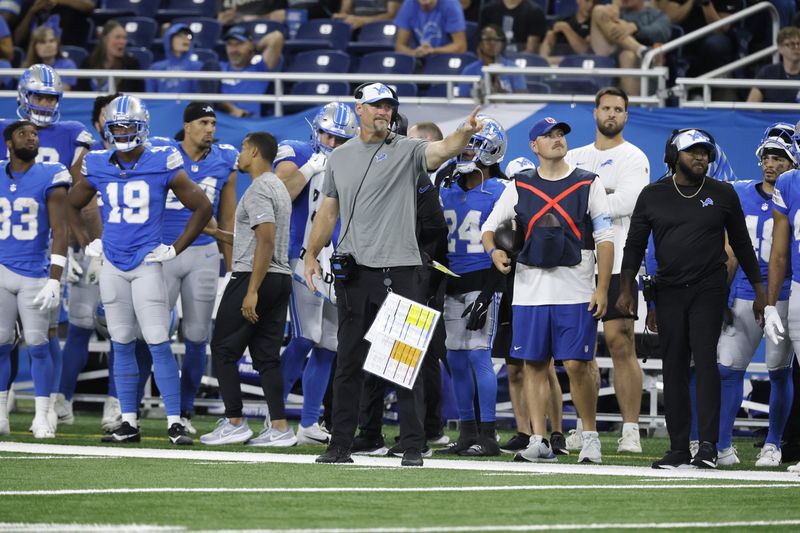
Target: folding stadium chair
{"points": [[577, 85], [142, 54], [259, 28], [563, 9], [404, 89], [187, 8], [204, 55], [141, 30], [330, 61], [316, 88], [472, 36], [206, 31], [319, 34], [522, 60], [374, 37], [75, 53], [386, 63], [445, 64], [114, 9]]}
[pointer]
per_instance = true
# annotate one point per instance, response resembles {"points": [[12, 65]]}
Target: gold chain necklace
{"points": [[692, 195]]}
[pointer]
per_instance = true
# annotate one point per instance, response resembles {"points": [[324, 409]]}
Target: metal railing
{"points": [[674, 44], [684, 84]]}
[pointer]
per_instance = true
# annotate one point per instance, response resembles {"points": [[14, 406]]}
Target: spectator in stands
{"points": [[68, 18], [242, 57], [110, 54], [627, 30], [523, 23], [6, 44], [569, 35], [178, 47], [360, 12], [435, 26], [788, 69], [45, 48], [490, 52], [713, 50], [236, 11]]}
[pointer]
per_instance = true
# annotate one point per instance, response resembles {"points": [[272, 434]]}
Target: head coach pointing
{"points": [[371, 183]]}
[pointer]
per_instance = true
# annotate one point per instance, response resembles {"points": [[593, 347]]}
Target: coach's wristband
{"points": [[58, 260]]}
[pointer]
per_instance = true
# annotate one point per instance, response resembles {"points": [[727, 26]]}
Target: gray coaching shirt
{"points": [[265, 200], [382, 231]]}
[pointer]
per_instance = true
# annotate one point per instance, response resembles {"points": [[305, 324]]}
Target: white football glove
{"points": [[93, 270], [773, 325], [314, 165], [74, 270], [161, 254], [94, 248], [50, 295]]}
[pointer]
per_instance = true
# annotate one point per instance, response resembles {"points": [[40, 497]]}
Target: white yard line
{"points": [[204, 454], [90, 528]]}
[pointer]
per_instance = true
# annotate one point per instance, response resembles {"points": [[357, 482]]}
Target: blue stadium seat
{"points": [[387, 63], [578, 85], [204, 55], [404, 89], [473, 35], [142, 54], [141, 30], [319, 34], [374, 37], [320, 61], [316, 88], [259, 28], [187, 8], [564, 8], [207, 31], [75, 53], [114, 9], [445, 64], [522, 60]]}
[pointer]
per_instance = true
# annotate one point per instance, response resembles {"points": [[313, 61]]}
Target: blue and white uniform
{"points": [[61, 142], [786, 200]]}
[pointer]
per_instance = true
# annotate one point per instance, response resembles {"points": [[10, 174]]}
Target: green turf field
{"points": [[80, 487]]}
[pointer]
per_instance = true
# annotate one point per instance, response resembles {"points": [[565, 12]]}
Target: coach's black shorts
{"points": [[613, 294]]}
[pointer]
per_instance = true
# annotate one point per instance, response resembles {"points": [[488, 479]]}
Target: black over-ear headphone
{"points": [[359, 94], [671, 151]]}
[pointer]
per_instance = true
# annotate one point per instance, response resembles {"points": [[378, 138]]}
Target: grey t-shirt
{"points": [[381, 233], [265, 200]]}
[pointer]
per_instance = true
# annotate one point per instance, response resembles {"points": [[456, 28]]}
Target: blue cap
{"points": [[239, 33], [544, 126]]}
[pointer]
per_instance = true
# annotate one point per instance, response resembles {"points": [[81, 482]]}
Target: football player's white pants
{"points": [[17, 293], [194, 275], [739, 341]]}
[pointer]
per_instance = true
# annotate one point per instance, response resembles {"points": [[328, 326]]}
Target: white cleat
{"points": [[590, 452], [52, 417], [694, 447], [770, 455], [312, 434], [187, 425], [63, 409], [629, 442], [42, 429], [727, 457], [574, 440], [5, 427], [112, 414]]}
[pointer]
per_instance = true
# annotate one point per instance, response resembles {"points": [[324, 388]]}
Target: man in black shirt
{"points": [[522, 21], [689, 214]]}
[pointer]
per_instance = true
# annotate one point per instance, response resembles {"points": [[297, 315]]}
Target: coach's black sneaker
{"points": [[558, 443], [335, 454], [674, 459], [487, 443], [399, 451], [124, 433], [706, 456], [516, 443], [366, 445], [177, 435], [412, 457], [468, 435]]}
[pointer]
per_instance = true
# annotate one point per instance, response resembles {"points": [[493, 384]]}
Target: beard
{"points": [[609, 131], [690, 174], [26, 154]]}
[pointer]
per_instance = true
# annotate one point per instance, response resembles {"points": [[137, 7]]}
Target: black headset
{"points": [[671, 151], [359, 94]]}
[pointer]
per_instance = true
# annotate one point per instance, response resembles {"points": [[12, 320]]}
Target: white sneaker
{"points": [[574, 440], [227, 433], [5, 427], [590, 452], [769, 455], [312, 434], [629, 442], [274, 437], [112, 414], [727, 457], [536, 452], [444, 440], [63, 409], [793, 468], [694, 447], [41, 428], [187, 425]]}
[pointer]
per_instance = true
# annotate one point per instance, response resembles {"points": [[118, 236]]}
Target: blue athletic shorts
{"points": [[563, 332]]}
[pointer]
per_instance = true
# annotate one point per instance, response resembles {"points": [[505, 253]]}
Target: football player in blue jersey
{"points": [[32, 200], [133, 181], [66, 142], [194, 274], [472, 300], [300, 165], [785, 248], [740, 339]]}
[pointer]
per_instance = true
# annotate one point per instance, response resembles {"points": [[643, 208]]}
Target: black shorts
{"points": [[613, 294]]}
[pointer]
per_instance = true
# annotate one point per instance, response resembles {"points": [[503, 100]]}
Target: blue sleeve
{"points": [[404, 16], [230, 155], [783, 191], [60, 178], [296, 152], [4, 31], [454, 17]]}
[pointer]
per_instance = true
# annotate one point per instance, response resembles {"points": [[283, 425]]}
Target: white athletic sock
{"points": [[4, 404], [42, 405], [630, 426], [130, 418], [579, 425], [173, 420]]}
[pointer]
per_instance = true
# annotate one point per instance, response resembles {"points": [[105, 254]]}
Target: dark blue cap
{"points": [[544, 126]]}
